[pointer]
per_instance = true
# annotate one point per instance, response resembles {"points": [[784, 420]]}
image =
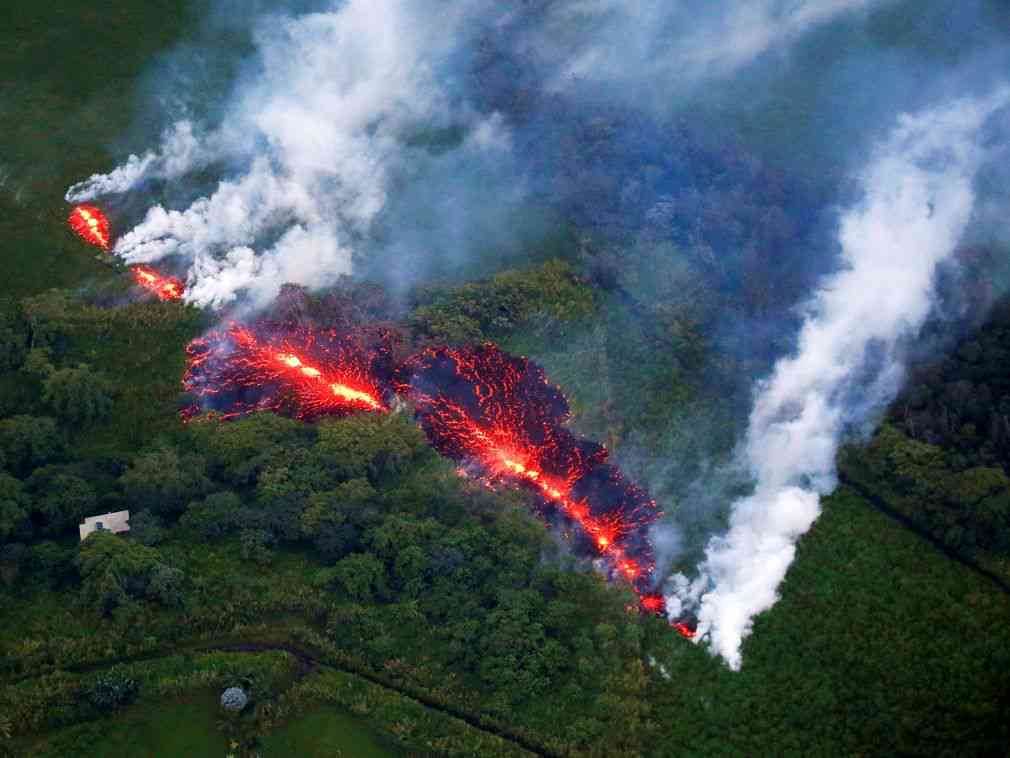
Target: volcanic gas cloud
{"points": [[495, 413]]}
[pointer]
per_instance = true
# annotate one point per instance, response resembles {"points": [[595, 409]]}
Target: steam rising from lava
{"points": [[313, 143], [918, 199], [91, 225], [379, 130], [372, 120]]}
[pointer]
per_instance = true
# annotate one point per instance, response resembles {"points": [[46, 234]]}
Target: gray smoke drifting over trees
{"points": [[314, 133]]}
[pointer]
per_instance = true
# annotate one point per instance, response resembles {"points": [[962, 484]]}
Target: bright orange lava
{"points": [[684, 629], [339, 390], [165, 287], [495, 414], [481, 406], [246, 373], [577, 511], [91, 225], [653, 604]]}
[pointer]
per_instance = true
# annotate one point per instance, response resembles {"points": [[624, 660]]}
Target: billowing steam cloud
{"points": [[326, 131], [316, 136], [179, 151], [918, 198]]}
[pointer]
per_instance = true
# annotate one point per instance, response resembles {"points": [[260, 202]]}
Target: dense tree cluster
{"points": [[493, 308], [962, 401], [943, 455], [402, 568]]}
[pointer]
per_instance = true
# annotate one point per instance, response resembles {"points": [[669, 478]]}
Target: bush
{"points": [[213, 517], [77, 395], [115, 571], [234, 699], [163, 481], [361, 575], [27, 442], [112, 689], [62, 500], [50, 563], [13, 506], [509, 300], [255, 544], [146, 528]]}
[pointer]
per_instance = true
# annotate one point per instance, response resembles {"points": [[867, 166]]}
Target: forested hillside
{"points": [[350, 544]]}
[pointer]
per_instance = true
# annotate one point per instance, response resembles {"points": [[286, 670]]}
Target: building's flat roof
{"points": [[115, 522]]}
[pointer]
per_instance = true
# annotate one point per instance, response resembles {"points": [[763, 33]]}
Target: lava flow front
{"points": [[494, 413], [91, 225], [164, 287], [302, 373], [499, 413]]}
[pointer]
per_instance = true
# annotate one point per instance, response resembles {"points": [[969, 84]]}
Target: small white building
{"points": [[116, 522]]}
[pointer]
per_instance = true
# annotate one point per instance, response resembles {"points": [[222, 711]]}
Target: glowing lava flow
{"points": [[498, 412], [91, 225], [301, 373], [684, 629], [165, 287], [494, 413]]}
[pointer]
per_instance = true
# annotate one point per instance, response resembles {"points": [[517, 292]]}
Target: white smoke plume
{"points": [[317, 133], [315, 140], [179, 154], [917, 200]]}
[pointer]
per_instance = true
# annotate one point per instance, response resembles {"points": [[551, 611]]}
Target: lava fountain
{"points": [[91, 225], [164, 287], [302, 372]]}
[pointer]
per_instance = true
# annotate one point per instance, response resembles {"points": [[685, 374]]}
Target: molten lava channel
{"points": [[301, 373], [490, 411]]}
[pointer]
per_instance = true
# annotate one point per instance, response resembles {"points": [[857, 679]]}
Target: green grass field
{"points": [[325, 733], [184, 727]]}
